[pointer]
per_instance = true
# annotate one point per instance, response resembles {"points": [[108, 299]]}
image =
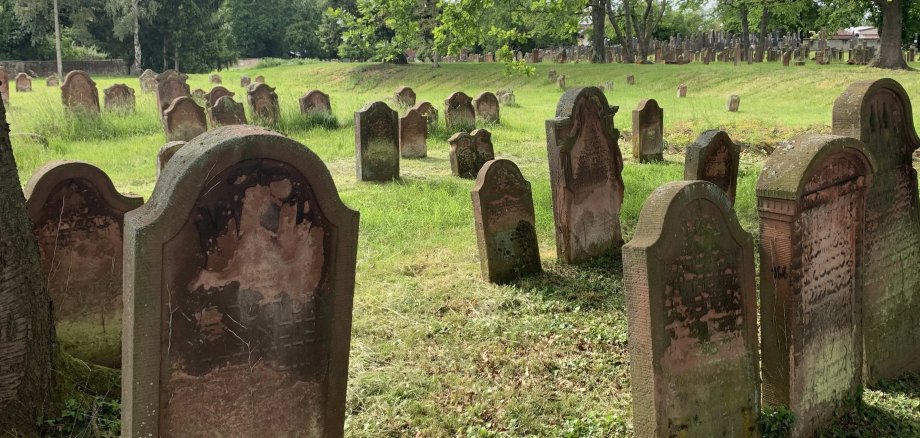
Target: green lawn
{"points": [[435, 350]]}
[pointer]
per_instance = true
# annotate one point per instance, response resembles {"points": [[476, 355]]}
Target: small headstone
{"points": [[486, 107], [552, 75], [227, 111], [608, 85], [734, 101], [505, 223], [215, 94], [682, 90], [239, 284], [469, 152], [148, 81], [260, 79], [184, 120], [77, 216], [405, 97], [79, 93], [52, 81], [714, 157], [648, 131], [506, 97], [315, 101], [377, 143], [215, 79], [630, 80], [413, 131], [119, 97], [561, 82], [245, 81], [171, 85], [4, 85], [458, 113], [427, 110], [166, 153], [23, 83], [263, 103]]}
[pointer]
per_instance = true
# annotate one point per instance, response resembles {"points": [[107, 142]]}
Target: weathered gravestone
{"points": [[630, 80], [215, 79], [585, 169], [260, 79], [77, 217], [315, 101], [377, 143], [427, 110], [245, 81], [506, 98], [52, 81], [608, 85], [23, 83], [148, 81], [648, 132], [216, 93], [184, 120], [552, 75], [458, 112], [879, 113], [405, 97], [263, 103], [79, 93], [811, 197], [469, 152], [166, 153], [4, 86], [200, 97], [239, 282], [505, 224], [714, 158], [734, 101], [486, 107], [692, 309], [119, 97], [413, 132], [682, 90], [227, 111], [171, 85]]}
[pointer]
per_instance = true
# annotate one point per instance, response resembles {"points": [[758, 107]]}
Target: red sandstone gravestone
{"points": [[811, 197], [469, 152], [148, 81], [226, 112], [119, 97], [486, 107], [427, 110], [263, 104], [377, 143], [315, 101], [714, 158], [170, 85], [166, 153], [239, 283], [215, 79], [692, 308], [77, 216], [52, 81], [458, 112], [734, 102], [648, 131], [216, 93], [184, 120], [413, 130], [404, 96], [23, 83], [79, 93], [245, 81], [682, 90]]}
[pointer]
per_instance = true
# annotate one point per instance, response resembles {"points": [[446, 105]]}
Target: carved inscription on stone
{"points": [[469, 152], [714, 158]]}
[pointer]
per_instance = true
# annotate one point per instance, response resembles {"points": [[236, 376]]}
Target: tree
{"points": [[889, 54], [598, 38], [628, 24], [127, 16]]}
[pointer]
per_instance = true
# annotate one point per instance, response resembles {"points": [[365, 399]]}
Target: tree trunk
{"points": [[136, 67], [598, 46], [57, 41], [624, 38], [889, 53], [745, 30], [27, 338], [176, 57], [762, 43]]}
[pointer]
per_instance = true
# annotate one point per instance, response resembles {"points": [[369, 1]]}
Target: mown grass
{"points": [[435, 350]]}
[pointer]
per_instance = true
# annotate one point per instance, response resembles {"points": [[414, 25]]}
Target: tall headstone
{"points": [[714, 157], [505, 223], [184, 120], [239, 283], [263, 103], [413, 133], [77, 217], [585, 175], [171, 85], [458, 112], [648, 131], [734, 102], [469, 152], [227, 111], [561, 82], [315, 101], [486, 107], [811, 196], [119, 97], [23, 83], [377, 143], [79, 93], [692, 309], [216, 93], [405, 97], [879, 113]]}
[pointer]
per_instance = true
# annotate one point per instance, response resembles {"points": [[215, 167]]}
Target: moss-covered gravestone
{"points": [[714, 157], [811, 198], [487, 108], [171, 85], [166, 153], [216, 93], [315, 101], [692, 311], [119, 97], [648, 131], [79, 93], [458, 112], [239, 281], [377, 143], [263, 104], [413, 133], [585, 168], [469, 152], [427, 110], [184, 120], [227, 111], [78, 216]]}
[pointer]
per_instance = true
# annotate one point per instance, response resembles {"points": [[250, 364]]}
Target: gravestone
{"points": [[505, 223], [734, 101], [226, 112], [315, 101], [811, 196], [171, 85], [427, 110], [585, 176], [263, 103], [552, 75], [4, 86], [561, 82], [486, 107], [23, 83], [714, 158], [405, 97], [630, 80], [245, 81], [77, 217], [79, 93], [648, 131], [879, 113], [148, 81], [119, 97], [469, 152], [608, 85], [52, 81], [507, 98], [166, 153], [215, 94], [184, 120], [215, 79], [200, 97], [692, 309], [239, 283], [682, 91], [377, 143], [458, 113], [413, 130], [260, 79]]}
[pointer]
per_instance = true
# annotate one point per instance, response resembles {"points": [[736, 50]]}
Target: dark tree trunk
{"points": [[745, 30], [623, 35], [598, 46], [27, 339], [762, 35], [889, 53]]}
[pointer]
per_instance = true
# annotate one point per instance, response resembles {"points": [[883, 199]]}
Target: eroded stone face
{"points": [[215, 94], [263, 103], [79, 93], [427, 110], [458, 112], [377, 143], [52, 81], [486, 106], [714, 158], [469, 152], [405, 97], [184, 120], [119, 97], [170, 86], [315, 101], [148, 81], [734, 102], [215, 79], [226, 111], [245, 81], [23, 83], [648, 131], [413, 132]]}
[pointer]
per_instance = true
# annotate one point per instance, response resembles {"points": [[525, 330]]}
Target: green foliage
{"points": [[99, 417], [776, 421]]}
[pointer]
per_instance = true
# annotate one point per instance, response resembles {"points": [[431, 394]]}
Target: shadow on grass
{"points": [[908, 386], [872, 421], [597, 284]]}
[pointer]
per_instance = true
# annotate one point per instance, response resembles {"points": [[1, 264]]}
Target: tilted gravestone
{"points": [[245, 81], [215, 79], [879, 113], [166, 153], [315, 101], [216, 93], [648, 131], [377, 143], [239, 283], [23, 83], [79, 93], [4, 85], [585, 176], [692, 308], [77, 217], [171, 85], [148, 81], [184, 120], [413, 133], [469, 152], [263, 103], [734, 102], [405, 97], [811, 197], [505, 224], [52, 81], [458, 112], [714, 157], [119, 97], [227, 111], [427, 110], [486, 107]]}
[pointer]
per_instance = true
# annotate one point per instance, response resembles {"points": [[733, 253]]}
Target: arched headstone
{"points": [[469, 152], [184, 120], [170, 85], [52, 81], [458, 112], [714, 158], [648, 131], [413, 133], [227, 111], [405, 97], [119, 97], [486, 106], [263, 103], [216, 93], [23, 83], [166, 153], [79, 93], [377, 143], [315, 101], [245, 81], [427, 110], [148, 81], [215, 79]]}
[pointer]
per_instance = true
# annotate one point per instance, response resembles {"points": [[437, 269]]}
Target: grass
{"points": [[435, 350]]}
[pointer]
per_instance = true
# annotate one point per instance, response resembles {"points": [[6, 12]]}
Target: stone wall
{"points": [[107, 67]]}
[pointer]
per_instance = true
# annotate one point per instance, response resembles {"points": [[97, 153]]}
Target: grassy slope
{"points": [[434, 349]]}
